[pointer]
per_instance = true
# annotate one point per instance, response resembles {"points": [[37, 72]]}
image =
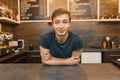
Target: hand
{"points": [[45, 54], [73, 60]]}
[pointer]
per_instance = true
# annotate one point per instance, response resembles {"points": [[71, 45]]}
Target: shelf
{"points": [[109, 20], [36, 21], [7, 20], [10, 9]]}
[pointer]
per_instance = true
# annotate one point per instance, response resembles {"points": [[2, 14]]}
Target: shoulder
{"points": [[76, 41], [46, 40], [48, 35], [75, 36]]}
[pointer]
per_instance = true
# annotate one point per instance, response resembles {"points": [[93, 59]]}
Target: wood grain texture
{"points": [[91, 32], [105, 71]]}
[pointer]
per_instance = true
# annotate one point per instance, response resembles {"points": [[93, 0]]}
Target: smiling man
{"points": [[61, 47]]}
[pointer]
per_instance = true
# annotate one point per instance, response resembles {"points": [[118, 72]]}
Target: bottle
{"points": [[109, 42], [31, 47], [113, 45], [104, 45]]}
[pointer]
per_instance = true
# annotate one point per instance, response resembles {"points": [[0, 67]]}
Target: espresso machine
{"points": [[5, 49]]}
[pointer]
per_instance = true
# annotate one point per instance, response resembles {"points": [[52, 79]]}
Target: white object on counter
{"points": [[91, 57], [13, 43]]}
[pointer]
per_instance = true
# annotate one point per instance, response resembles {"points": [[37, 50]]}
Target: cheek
{"points": [[53, 26], [68, 26]]}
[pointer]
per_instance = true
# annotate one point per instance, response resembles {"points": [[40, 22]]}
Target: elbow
{"points": [[45, 62], [77, 62]]}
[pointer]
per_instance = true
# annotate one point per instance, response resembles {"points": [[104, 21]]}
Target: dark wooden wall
{"points": [[91, 32]]}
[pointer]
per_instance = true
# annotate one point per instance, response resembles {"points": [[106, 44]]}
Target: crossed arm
{"points": [[48, 59]]}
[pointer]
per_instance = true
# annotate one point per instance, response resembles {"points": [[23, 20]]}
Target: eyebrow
{"points": [[62, 20]]}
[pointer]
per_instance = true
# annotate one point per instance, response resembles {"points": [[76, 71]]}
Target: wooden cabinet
{"points": [[19, 59], [22, 57], [108, 56], [15, 58], [33, 57]]}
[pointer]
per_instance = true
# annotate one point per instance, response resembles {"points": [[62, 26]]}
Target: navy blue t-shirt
{"points": [[61, 50]]}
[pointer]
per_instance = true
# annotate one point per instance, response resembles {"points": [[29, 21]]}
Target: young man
{"points": [[61, 47]]}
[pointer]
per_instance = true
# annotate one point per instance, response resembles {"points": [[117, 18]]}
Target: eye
{"points": [[56, 22], [65, 21]]}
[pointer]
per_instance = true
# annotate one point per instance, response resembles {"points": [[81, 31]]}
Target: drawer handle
{"points": [[22, 57], [16, 61]]}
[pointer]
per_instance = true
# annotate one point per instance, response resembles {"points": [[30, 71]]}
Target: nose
{"points": [[61, 25]]}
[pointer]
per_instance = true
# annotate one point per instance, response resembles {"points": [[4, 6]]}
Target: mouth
{"points": [[61, 31]]}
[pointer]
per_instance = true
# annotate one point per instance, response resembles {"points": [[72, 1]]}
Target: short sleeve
{"points": [[78, 44], [45, 41]]}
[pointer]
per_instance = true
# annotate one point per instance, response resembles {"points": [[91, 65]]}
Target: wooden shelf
{"points": [[7, 20], [10, 8], [101, 20], [51, 21]]}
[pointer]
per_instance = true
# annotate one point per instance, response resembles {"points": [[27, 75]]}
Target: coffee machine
{"points": [[8, 45], [5, 38]]}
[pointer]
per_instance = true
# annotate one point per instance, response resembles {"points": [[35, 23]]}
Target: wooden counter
{"points": [[88, 50], [105, 71], [33, 56], [14, 57]]}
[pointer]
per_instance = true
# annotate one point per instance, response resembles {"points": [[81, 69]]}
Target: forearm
{"points": [[61, 61], [48, 59], [54, 62]]}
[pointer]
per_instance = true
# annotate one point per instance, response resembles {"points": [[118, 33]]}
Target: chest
{"points": [[61, 50]]}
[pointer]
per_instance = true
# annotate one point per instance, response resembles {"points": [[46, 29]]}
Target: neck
{"points": [[62, 39]]}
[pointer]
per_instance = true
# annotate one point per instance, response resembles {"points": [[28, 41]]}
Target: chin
{"points": [[61, 34]]}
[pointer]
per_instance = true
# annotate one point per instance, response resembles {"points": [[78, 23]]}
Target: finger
{"points": [[43, 49], [44, 55]]}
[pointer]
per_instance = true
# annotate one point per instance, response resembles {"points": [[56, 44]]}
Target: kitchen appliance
{"points": [[13, 43], [7, 50], [20, 43], [5, 37]]}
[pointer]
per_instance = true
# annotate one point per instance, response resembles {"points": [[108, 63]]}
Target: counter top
{"points": [[9, 56], [35, 52], [88, 50], [104, 71], [99, 50]]}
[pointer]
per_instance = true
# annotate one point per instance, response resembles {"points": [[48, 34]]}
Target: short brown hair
{"points": [[60, 11]]}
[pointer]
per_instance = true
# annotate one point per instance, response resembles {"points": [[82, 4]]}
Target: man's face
{"points": [[61, 24]]}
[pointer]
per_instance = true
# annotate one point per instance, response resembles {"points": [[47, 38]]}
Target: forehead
{"points": [[62, 17]]}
